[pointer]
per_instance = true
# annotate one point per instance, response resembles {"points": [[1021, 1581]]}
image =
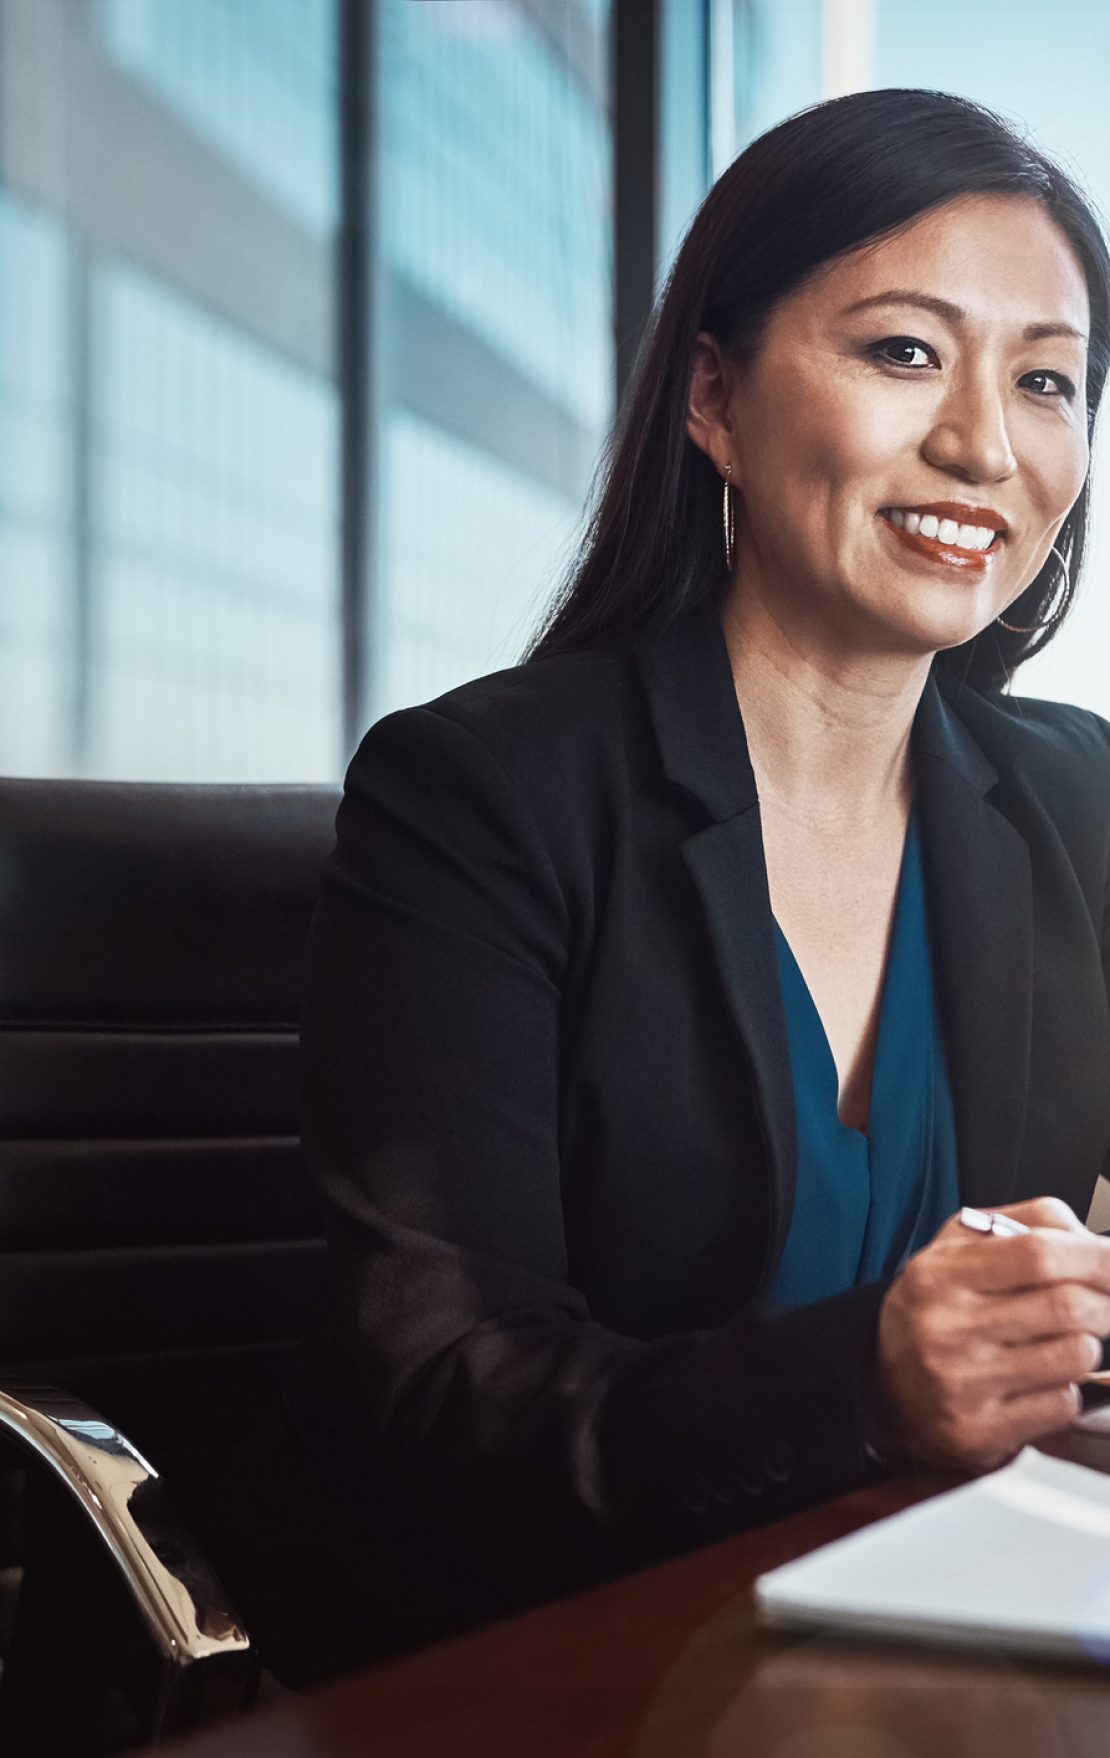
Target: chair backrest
{"points": [[160, 1248]]}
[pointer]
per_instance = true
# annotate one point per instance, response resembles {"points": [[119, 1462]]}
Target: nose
{"points": [[970, 438]]}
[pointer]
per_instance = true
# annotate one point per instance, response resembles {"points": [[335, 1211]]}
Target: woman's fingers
{"points": [[1035, 1212], [1054, 1361], [1055, 1311], [1044, 1211], [1002, 1430], [982, 1432], [1033, 1414], [983, 1340], [1043, 1256], [1038, 1211]]}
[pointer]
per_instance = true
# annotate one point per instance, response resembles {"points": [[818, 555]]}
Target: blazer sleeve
{"points": [[431, 1055]]}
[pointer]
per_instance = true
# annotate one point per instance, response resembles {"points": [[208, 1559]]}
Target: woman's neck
{"points": [[828, 734]]}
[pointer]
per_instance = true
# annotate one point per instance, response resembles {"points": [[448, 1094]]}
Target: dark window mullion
{"points": [[636, 158], [355, 267], [661, 150]]}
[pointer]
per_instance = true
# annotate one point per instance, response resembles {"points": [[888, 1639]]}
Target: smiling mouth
{"points": [[943, 540]]}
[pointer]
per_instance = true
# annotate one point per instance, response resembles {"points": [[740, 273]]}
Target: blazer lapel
{"points": [[693, 704], [729, 874], [979, 884]]}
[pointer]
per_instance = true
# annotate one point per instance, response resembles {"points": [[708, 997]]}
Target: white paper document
{"points": [[1019, 1560]]}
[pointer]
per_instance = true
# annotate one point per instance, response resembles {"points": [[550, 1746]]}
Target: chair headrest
{"points": [[133, 903]]}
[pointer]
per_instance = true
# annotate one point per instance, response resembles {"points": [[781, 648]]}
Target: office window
{"points": [[36, 488], [171, 600], [771, 51], [169, 411], [255, 80], [215, 626], [495, 329]]}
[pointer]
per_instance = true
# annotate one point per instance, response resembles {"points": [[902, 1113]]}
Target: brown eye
{"points": [[899, 351], [1063, 386]]}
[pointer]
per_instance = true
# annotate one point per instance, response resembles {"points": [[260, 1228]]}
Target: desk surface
{"points": [[670, 1664]]}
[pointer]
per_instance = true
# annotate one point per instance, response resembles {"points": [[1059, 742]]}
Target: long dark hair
{"points": [[820, 184]]}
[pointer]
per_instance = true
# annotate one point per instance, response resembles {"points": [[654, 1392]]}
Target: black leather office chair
{"points": [[160, 1248]]}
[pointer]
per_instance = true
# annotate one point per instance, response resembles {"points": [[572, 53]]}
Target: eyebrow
{"points": [[954, 314]]}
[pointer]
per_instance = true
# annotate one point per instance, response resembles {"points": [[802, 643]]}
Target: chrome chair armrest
{"points": [[180, 1603]]}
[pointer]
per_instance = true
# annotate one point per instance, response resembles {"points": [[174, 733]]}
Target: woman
{"points": [[670, 992]]}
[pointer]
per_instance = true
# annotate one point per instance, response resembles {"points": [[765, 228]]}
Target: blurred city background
{"points": [[314, 315]]}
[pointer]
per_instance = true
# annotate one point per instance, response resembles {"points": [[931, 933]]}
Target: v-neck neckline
{"points": [[830, 1073]]}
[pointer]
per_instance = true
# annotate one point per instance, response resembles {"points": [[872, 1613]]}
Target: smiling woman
{"points": [[978, 395], [671, 991]]}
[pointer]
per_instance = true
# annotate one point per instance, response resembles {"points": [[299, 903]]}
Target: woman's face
{"points": [[938, 376]]}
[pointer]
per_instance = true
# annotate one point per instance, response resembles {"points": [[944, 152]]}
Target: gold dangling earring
{"points": [[729, 518], [1046, 622]]}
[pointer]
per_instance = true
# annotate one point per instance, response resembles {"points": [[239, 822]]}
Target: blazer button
{"points": [[778, 1462], [751, 1482], [695, 1495], [725, 1486]]}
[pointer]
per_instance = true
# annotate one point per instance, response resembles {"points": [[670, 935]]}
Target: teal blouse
{"points": [[864, 1203]]}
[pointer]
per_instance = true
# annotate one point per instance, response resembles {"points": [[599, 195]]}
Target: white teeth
{"points": [[973, 537]]}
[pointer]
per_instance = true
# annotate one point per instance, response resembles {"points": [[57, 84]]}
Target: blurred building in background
{"points": [[493, 324], [313, 316], [169, 507]]}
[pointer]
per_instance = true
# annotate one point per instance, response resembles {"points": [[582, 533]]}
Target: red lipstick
{"points": [[949, 555], [958, 510]]}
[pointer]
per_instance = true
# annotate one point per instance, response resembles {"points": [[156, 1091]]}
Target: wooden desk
{"points": [[670, 1664]]}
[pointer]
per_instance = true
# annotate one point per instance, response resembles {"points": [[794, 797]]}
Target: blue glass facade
{"points": [[36, 489], [255, 81], [170, 413], [169, 410], [171, 416], [777, 60], [495, 333], [213, 637]]}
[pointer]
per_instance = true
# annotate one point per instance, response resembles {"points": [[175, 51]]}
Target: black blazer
{"points": [[547, 1101]]}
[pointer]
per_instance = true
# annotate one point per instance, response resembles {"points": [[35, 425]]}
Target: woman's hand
{"points": [[983, 1338]]}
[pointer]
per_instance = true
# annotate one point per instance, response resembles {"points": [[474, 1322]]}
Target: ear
{"points": [[708, 420]]}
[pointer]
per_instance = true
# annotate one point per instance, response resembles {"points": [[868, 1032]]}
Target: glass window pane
{"points": [[169, 411], [256, 80], [773, 50], [495, 332], [36, 428], [213, 639]]}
